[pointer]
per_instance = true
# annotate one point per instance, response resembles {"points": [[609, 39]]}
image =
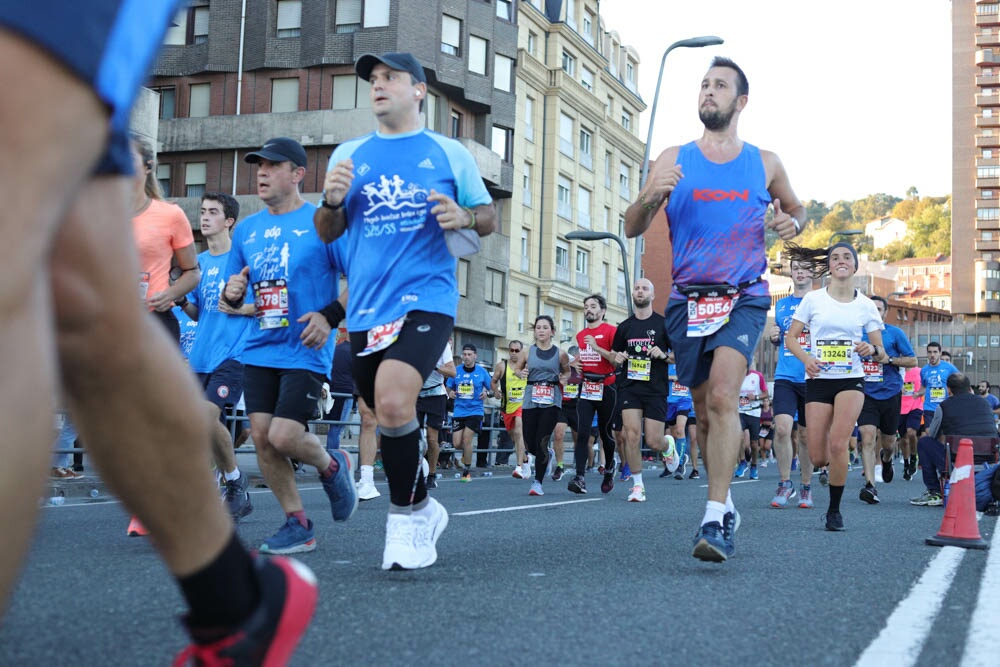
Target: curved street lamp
{"points": [[583, 235], [690, 43]]}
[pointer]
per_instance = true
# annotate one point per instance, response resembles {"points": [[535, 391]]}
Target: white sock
{"points": [[713, 512], [368, 474], [730, 507], [637, 479], [234, 475]]}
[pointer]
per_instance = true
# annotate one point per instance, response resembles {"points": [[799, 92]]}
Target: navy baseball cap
{"points": [[469, 346], [401, 62], [279, 149]]}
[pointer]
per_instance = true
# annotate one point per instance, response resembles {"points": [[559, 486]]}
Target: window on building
{"points": [[587, 79], [526, 184], [570, 13], [624, 180], [522, 312], [532, 42], [562, 261], [347, 16], [605, 277], [195, 179], [582, 261], [451, 35], [503, 142], [569, 63], [199, 34], [588, 27], [607, 169], [505, 9], [350, 92], [199, 98], [987, 194], [168, 100], [564, 198], [494, 287], [176, 34], [607, 221], [163, 176], [456, 124], [987, 153], [583, 207], [529, 119], [608, 103], [503, 68], [289, 18], [525, 250], [477, 54], [621, 292], [284, 95], [630, 73], [586, 148], [463, 277], [376, 13], [566, 135], [627, 120], [431, 112]]}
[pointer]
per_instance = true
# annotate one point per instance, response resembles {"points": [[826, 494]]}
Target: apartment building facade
{"points": [[577, 160], [234, 73]]}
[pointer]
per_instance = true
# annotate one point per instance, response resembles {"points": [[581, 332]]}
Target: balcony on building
{"points": [[582, 281], [984, 141], [987, 246], [987, 121], [988, 39], [987, 57], [987, 79], [991, 100]]}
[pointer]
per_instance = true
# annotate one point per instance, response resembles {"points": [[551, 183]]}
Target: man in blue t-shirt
{"points": [[216, 354], [293, 276], [883, 396], [471, 386], [934, 380], [790, 395], [407, 201], [716, 192], [983, 389]]}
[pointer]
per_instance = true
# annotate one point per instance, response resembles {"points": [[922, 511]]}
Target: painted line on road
{"points": [[525, 507], [901, 640], [734, 483], [980, 641]]}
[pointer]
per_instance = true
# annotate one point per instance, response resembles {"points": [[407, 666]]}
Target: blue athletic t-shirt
{"points": [[398, 260], [891, 383], [468, 387], [221, 336], [934, 380], [188, 327], [677, 394], [286, 248], [789, 367], [716, 215]]}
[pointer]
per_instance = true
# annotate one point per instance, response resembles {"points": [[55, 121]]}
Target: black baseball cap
{"points": [[469, 346], [401, 62], [279, 149]]}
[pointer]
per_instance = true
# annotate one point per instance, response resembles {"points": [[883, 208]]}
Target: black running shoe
{"points": [[557, 474], [431, 482], [238, 498], [577, 484], [869, 495], [834, 521], [608, 482], [887, 471]]}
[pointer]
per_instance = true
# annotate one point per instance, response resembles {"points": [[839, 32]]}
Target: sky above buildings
{"points": [[854, 96]]}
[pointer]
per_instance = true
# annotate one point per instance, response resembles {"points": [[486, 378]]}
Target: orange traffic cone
{"points": [[959, 527]]}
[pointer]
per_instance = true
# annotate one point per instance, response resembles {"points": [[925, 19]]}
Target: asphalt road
{"points": [[556, 580]]}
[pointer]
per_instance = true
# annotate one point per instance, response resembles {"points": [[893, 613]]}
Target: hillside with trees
{"points": [[928, 221]]}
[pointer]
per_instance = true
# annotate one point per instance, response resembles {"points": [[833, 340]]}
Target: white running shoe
{"points": [[536, 489], [425, 467], [878, 473], [400, 551], [637, 495], [366, 490], [526, 471], [429, 523], [517, 473], [670, 456]]}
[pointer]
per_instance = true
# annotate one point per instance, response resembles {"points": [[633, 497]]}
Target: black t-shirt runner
{"points": [[635, 337]]}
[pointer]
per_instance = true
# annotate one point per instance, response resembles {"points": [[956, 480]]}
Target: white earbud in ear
{"points": [[416, 93]]}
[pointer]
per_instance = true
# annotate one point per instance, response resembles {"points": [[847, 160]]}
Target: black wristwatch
{"points": [[333, 207], [891, 361], [183, 301]]}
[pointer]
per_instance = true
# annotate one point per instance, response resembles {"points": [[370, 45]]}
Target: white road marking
{"points": [[981, 642], [901, 640], [526, 507]]}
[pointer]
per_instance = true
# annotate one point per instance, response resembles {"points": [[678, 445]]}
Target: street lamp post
{"points": [[846, 232], [581, 235], [691, 43]]}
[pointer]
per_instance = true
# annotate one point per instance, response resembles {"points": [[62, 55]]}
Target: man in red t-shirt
{"points": [[597, 392]]}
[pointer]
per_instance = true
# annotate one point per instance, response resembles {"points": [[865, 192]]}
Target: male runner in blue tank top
{"points": [[69, 288], [401, 196], [716, 191]]}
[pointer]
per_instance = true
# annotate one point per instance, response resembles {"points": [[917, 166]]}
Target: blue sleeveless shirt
{"points": [[716, 215]]}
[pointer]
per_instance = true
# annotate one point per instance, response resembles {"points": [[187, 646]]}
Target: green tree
{"points": [[929, 231], [873, 207]]}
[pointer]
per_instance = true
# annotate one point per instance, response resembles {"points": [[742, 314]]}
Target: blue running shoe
{"points": [[753, 473], [340, 488], [795, 463], [710, 543], [730, 524], [741, 469], [626, 473], [291, 538]]}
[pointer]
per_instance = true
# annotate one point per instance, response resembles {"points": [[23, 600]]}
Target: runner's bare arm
{"points": [[663, 175]]}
